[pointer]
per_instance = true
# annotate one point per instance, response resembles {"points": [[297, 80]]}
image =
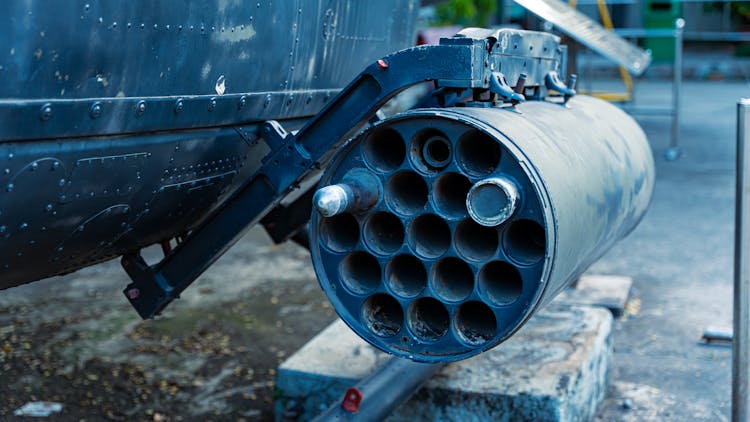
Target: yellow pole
{"points": [[607, 22], [624, 75]]}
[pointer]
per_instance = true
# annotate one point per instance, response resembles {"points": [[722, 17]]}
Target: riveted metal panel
{"points": [[89, 200], [93, 67], [124, 124]]}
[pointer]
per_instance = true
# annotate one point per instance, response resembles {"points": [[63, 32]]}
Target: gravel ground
{"points": [[211, 357]]}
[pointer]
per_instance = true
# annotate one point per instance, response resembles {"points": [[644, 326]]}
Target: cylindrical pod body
{"points": [[595, 174], [420, 276]]}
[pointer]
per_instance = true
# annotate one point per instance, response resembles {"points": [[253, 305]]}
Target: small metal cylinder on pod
{"points": [[476, 217]]}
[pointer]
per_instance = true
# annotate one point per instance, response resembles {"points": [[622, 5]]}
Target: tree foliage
{"points": [[466, 12]]}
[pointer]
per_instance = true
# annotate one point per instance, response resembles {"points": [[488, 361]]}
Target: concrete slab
{"points": [[554, 369], [609, 291]]}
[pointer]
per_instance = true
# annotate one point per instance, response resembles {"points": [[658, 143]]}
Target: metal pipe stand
{"points": [[741, 335]]}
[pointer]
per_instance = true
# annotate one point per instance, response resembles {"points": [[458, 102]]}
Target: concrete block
{"points": [[554, 369], [609, 291]]}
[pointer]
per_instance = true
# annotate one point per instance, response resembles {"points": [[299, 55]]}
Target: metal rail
{"points": [[379, 394], [611, 45], [590, 33], [741, 335], [723, 35], [674, 151]]}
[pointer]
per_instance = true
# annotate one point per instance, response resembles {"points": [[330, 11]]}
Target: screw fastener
{"points": [[46, 112], [140, 108], [96, 110], [133, 293]]}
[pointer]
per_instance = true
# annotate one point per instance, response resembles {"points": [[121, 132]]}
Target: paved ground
{"points": [[681, 259], [212, 356]]}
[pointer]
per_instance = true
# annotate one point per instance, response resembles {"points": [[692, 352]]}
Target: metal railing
{"points": [[673, 152]]}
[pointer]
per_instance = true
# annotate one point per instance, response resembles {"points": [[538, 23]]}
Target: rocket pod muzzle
{"points": [[439, 232]]}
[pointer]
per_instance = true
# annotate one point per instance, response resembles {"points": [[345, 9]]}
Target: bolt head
{"points": [[46, 112], [96, 110], [331, 200], [133, 293]]}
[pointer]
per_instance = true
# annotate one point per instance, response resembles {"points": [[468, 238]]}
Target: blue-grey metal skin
{"points": [[124, 124], [585, 173]]}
